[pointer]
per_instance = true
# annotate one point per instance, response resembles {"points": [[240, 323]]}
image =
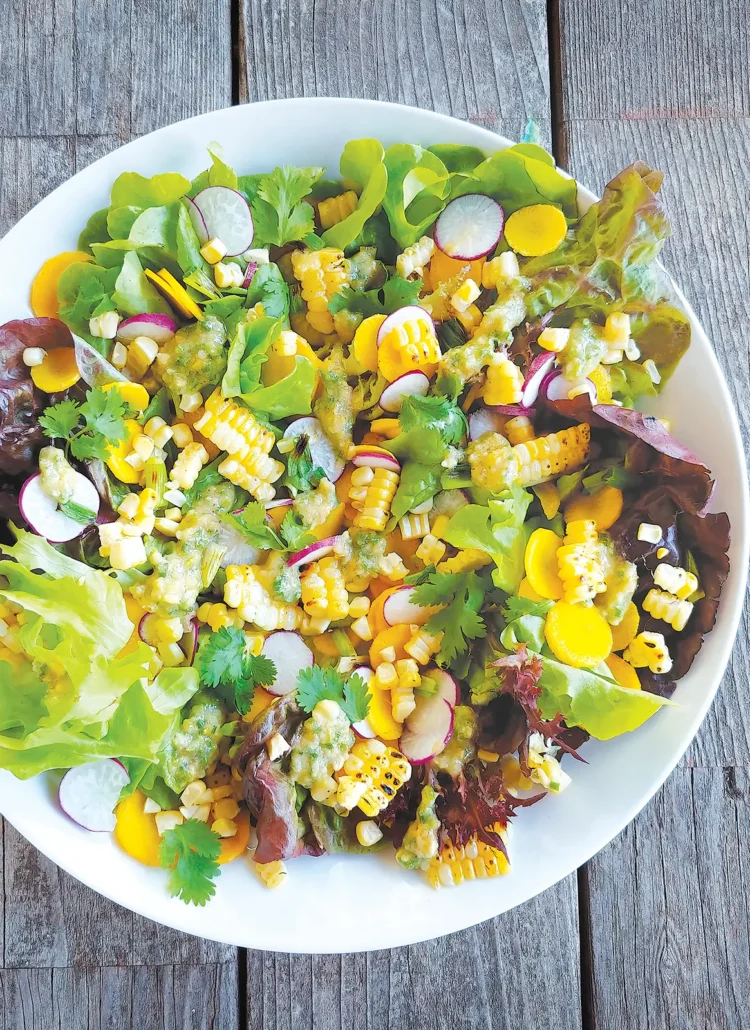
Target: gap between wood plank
{"points": [[555, 82]]}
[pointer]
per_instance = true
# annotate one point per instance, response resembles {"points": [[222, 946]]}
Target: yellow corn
{"points": [[385, 674], [374, 507], [465, 295], [668, 608], [414, 258], [467, 560], [371, 776], [555, 340], [336, 209], [602, 380], [519, 429], [413, 526], [474, 861], [387, 427], [403, 701], [495, 465], [504, 381], [247, 443], [321, 273], [323, 592], [578, 561], [190, 461], [246, 592], [273, 874], [415, 342], [391, 567], [675, 581], [431, 550], [498, 270], [649, 650], [470, 318], [423, 645], [218, 616]]}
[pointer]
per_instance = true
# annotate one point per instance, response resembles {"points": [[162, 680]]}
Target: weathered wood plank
{"points": [[706, 195], [112, 998], [424, 54], [669, 910], [520, 970]]}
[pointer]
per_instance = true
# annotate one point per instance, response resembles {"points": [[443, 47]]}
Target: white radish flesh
{"points": [[199, 222], [363, 727], [427, 730], [410, 313], [399, 609], [558, 388], [448, 502], [469, 227], [484, 421], [311, 553], [376, 460], [408, 385], [448, 687], [321, 450], [157, 327], [227, 217], [237, 549], [89, 793], [290, 654], [43, 515], [538, 370]]}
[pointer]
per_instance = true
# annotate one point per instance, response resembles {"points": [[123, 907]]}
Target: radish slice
{"points": [[227, 217], [538, 369], [250, 271], [411, 313], [447, 686], [199, 222], [376, 459], [469, 227], [94, 368], [290, 654], [321, 451], [427, 730], [363, 727], [485, 420], [159, 328], [558, 388], [238, 550], [45, 518], [311, 553], [147, 629], [399, 609], [88, 793], [282, 502], [407, 385]]}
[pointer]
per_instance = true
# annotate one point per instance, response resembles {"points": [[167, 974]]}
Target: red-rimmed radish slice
{"points": [[410, 313], [558, 388], [469, 227], [282, 502], [199, 222], [427, 730], [399, 609], [321, 450], [237, 549], [447, 686], [407, 385], [94, 368], [363, 727], [147, 629], [538, 369], [250, 271], [375, 458], [485, 420], [227, 217], [158, 327], [88, 793], [290, 654], [311, 553], [43, 515]]}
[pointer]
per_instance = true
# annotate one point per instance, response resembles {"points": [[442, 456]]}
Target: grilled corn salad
{"points": [[331, 521]]}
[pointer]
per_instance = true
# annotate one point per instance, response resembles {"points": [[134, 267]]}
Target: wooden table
{"points": [[655, 931]]}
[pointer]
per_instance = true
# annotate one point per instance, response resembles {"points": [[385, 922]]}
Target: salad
{"points": [[332, 525]]}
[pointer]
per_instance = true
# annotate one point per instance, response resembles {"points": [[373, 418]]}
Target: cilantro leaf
{"points": [[85, 447], [258, 671], [59, 420], [397, 293], [190, 852], [327, 684], [104, 412], [223, 662], [613, 475], [439, 413], [295, 534], [400, 293], [517, 607], [460, 596], [301, 473], [279, 212], [252, 524]]}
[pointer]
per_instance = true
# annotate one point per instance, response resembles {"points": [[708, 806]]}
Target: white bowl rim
{"points": [[199, 921]]}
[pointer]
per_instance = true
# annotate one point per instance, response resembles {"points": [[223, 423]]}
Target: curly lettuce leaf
{"points": [[362, 165], [498, 529], [292, 395], [417, 191], [516, 178]]}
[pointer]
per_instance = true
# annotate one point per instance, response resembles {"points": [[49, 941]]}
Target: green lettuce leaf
{"points": [[95, 230], [269, 289], [516, 178], [220, 173], [362, 164], [498, 530], [133, 190], [248, 350], [290, 396], [416, 193], [133, 293]]}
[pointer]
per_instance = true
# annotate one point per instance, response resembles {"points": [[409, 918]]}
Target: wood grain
{"points": [[421, 53]]}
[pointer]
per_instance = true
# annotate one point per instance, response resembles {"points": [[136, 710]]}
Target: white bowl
{"points": [[353, 903]]}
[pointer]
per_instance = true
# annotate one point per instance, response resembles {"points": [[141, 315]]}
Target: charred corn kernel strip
{"points": [[668, 608], [408, 676], [579, 564], [379, 769], [321, 273], [474, 861], [577, 635], [190, 461], [374, 507], [408, 346], [536, 230], [324, 594], [495, 465], [555, 340], [414, 526], [467, 560], [336, 209], [413, 260], [519, 429], [273, 874], [244, 590], [422, 645], [431, 550], [501, 269], [675, 581], [649, 650], [504, 381]]}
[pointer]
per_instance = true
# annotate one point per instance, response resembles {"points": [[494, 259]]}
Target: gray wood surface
{"points": [[654, 932]]}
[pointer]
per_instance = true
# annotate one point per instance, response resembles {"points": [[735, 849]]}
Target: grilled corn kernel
{"points": [[675, 581], [431, 550], [579, 563], [322, 274], [649, 650], [555, 340], [476, 860], [413, 260], [381, 769], [423, 645], [190, 461], [374, 508], [668, 608], [273, 874], [336, 209], [504, 381], [498, 270], [324, 594], [519, 429]]}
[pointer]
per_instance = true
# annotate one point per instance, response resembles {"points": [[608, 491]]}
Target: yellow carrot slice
{"points": [[602, 508], [623, 672], [540, 561], [627, 629], [577, 635], [44, 300], [59, 371], [536, 230]]}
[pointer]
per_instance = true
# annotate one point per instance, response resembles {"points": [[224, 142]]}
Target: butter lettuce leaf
{"points": [[362, 165], [498, 529], [292, 395]]}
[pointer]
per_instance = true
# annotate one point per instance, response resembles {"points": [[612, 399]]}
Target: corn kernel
{"points": [[182, 435], [555, 340], [361, 627], [359, 606], [105, 325], [213, 251], [190, 402], [196, 793], [368, 833], [119, 355], [167, 821], [224, 827], [33, 356], [465, 295], [227, 274]]}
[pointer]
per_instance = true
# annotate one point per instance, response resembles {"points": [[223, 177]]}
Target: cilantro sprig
{"points": [[434, 412], [224, 663], [190, 852], [516, 607], [396, 293], [252, 523], [280, 214], [460, 596], [320, 683], [88, 428]]}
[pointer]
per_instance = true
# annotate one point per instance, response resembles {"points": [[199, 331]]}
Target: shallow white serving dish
{"points": [[353, 903]]}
